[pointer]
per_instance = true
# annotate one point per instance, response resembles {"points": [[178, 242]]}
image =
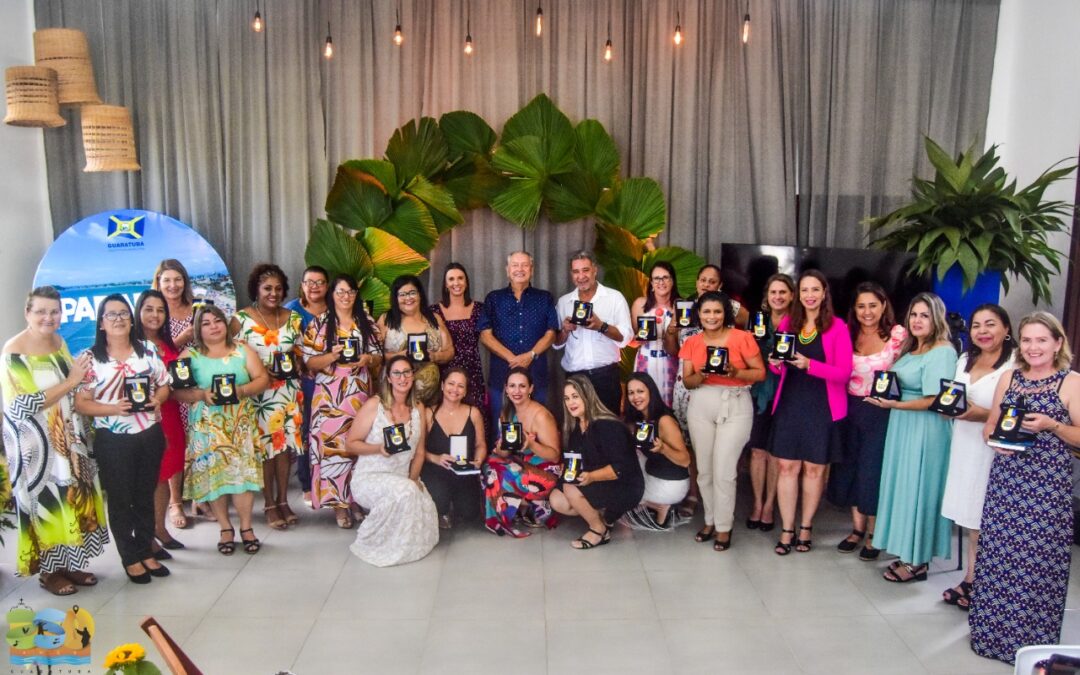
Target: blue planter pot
{"points": [[987, 288]]}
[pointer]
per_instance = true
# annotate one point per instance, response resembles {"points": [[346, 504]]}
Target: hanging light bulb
{"points": [[328, 49], [468, 29], [468, 44], [607, 50], [398, 37], [539, 20], [746, 28], [257, 22], [678, 29]]}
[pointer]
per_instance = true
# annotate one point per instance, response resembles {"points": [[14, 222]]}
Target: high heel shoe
{"points": [[752, 524], [723, 545], [705, 534], [804, 545], [782, 548]]}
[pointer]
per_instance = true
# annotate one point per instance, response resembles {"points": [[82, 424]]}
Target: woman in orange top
{"points": [[721, 412]]}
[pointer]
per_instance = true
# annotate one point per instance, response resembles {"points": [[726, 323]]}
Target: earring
{"points": [[1008, 338]]}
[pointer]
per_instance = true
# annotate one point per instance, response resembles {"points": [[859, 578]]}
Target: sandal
{"points": [[80, 578], [583, 544], [781, 547], [344, 518], [57, 584], [227, 547], [914, 573], [953, 596], [290, 517], [767, 527], [804, 545], [273, 523], [177, 516], [848, 546], [707, 533], [687, 507], [868, 552], [722, 545], [251, 546]]}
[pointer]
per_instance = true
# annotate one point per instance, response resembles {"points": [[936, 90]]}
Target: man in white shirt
{"points": [[593, 348]]}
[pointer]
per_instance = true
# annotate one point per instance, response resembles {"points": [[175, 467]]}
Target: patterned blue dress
{"points": [[1022, 568]]}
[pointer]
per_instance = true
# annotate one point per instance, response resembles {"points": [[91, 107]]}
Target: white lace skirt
{"points": [[401, 526]]}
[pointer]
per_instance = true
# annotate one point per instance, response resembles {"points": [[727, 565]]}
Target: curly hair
{"points": [[261, 272]]}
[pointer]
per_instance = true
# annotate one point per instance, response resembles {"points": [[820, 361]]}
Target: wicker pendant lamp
{"points": [[108, 139], [66, 51], [31, 97]]}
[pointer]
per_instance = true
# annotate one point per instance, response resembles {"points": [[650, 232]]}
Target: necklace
{"points": [[806, 338], [263, 319]]}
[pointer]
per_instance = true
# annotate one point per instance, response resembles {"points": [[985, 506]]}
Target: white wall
{"points": [[1035, 108], [25, 224]]}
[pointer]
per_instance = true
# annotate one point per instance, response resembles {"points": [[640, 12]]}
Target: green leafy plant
{"points": [[971, 215]]}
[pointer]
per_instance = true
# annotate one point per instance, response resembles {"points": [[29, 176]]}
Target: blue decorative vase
{"points": [[987, 288]]}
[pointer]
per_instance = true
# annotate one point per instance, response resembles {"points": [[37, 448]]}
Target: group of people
{"points": [[397, 429]]}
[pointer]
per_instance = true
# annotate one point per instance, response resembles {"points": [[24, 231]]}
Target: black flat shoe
{"points": [[752, 524], [171, 544], [158, 571], [848, 546], [869, 553], [767, 527], [162, 554], [143, 578]]}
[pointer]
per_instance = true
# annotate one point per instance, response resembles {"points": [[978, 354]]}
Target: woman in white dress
{"points": [[988, 357], [401, 524]]}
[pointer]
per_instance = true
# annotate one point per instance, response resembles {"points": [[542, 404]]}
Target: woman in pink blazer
{"points": [[810, 400]]}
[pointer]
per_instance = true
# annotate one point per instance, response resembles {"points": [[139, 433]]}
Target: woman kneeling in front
{"points": [[387, 439], [604, 480]]}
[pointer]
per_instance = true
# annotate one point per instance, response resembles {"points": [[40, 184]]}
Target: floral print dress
{"points": [[279, 409]]}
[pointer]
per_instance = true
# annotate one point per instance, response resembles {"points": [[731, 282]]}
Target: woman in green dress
{"points": [[916, 461], [58, 506], [223, 459]]}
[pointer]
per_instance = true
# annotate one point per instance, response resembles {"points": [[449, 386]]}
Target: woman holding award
{"points": [[59, 510], [460, 312], [1022, 572], [223, 458], [665, 461], [967, 400], [524, 464], [153, 320], [909, 520], [123, 391], [719, 365], [275, 334], [854, 481], [456, 449], [387, 440], [343, 349], [811, 399], [608, 481], [655, 329], [412, 329]]}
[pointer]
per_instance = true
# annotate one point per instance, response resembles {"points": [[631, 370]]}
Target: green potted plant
{"points": [[971, 227]]}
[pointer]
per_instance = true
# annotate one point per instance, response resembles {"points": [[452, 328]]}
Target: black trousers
{"points": [[605, 380], [129, 466], [463, 494]]}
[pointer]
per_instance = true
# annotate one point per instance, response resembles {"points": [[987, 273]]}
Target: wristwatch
{"points": [[603, 328], [533, 355]]}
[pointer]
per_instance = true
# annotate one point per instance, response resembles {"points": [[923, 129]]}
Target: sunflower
{"points": [[124, 655]]}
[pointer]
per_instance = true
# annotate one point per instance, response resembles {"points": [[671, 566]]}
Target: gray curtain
{"points": [[239, 133]]}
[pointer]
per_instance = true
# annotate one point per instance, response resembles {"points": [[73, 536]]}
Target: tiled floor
{"points": [[648, 603]]}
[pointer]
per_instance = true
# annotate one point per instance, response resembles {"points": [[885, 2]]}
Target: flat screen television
{"points": [[746, 267]]}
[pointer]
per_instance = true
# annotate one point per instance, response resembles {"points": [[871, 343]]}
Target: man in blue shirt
{"points": [[517, 326]]}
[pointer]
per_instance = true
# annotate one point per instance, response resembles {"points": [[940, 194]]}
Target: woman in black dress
{"points": [[609, 481], [454, 486]]}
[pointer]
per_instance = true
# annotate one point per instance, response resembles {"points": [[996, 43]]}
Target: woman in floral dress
{"points": [[460, 313], [659, 357], [340, 390], [269, 328]]}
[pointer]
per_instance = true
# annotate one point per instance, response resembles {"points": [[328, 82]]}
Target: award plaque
{"points": [[283, 366], [759, 326], [571, 466], [512, 436], [716, 360], [350, 350], [951, 400], [644, 435], [1008, 433], [646, 328], [137, 391], [684, 313], [417, 347], [180, 375], [223, 389], [885, 386], [394, 438], [784, 348], [459, 450], [582, 313]]}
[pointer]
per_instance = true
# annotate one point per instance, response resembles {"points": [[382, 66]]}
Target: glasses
{"points": [[343, 293], [400, 374], [405, 295], [315, 283], [116, 317], [663, 279]]}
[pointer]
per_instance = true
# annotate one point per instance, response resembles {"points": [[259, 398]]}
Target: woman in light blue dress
{"points": [[916, 462]]}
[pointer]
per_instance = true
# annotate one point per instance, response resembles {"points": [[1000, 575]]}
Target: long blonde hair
{"points": [[939, 326], [594, 408], [1063, 358]]}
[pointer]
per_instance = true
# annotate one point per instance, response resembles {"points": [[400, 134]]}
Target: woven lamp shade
{"points": [[31, 97], [108, 139], [66, 51]]}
